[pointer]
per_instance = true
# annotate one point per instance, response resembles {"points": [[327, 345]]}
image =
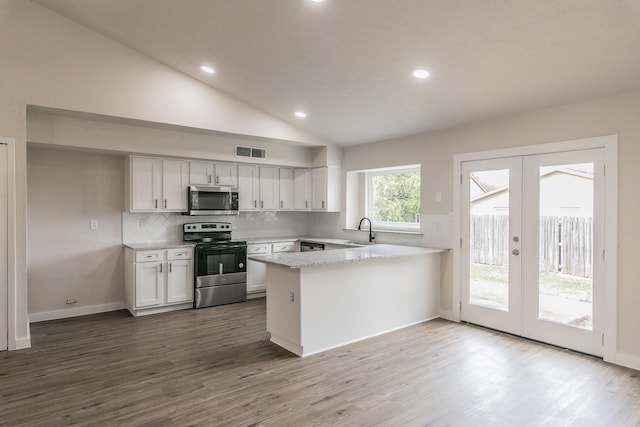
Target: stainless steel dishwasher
{"points": [[311, 246]]}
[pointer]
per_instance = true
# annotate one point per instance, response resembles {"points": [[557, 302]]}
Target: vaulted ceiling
{"points": [[348, 63]]}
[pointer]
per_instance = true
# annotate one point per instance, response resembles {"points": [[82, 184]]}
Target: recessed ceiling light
{"points": [[300, 114], [421, 74], [207, 69], [317, 1]]}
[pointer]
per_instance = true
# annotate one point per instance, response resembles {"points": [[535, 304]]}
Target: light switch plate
{"points": [[94, 224]]}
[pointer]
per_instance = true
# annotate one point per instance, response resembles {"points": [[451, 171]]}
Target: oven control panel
{"points": [[206, 227]]}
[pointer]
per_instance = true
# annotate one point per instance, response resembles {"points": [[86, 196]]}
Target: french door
{"points": [[532, 245]]}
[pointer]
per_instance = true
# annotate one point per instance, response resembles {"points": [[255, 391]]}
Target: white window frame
{"points": [[389, 226]]}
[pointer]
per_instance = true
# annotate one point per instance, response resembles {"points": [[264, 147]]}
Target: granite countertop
{"points": [[258, 240], [158, 245], [297, 260], [326, 240]]}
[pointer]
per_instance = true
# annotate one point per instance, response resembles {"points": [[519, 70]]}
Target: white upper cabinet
{"points": [[302, 189], [145, 184], [325, 189], [225, 174], [201, 173], [286, 188], [175, 179], [268, 188], [248, 187], [207, 173], [257, 188], [160, 185], [157, 185]]}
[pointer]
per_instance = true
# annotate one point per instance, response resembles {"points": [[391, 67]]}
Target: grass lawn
{"points": [[555, 284]]}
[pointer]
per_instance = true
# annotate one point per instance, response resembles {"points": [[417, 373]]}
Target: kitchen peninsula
{"points": [[321, 300]]}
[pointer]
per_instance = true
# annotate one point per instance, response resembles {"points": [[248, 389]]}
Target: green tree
{"points": [[396, 197]]}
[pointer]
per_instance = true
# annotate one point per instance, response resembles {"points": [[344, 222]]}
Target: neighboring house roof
{"points": [[552, 171]]}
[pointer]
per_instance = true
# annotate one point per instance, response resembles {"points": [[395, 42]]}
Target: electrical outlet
{"points": [[143, 222], [292, 296], [94, 224]]}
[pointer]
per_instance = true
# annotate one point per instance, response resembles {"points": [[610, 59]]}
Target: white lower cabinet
{"points": [[158, 280], [180, 281], [149, 284], [257, 271]]}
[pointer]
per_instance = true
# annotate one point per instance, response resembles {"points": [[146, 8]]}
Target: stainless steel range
{"points": [[220, 271]]}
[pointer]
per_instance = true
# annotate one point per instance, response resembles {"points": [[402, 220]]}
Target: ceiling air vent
{"points": [[256, 153]]}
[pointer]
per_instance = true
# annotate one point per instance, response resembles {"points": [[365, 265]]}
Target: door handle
{"points": [[515, 252], [170, 268]]}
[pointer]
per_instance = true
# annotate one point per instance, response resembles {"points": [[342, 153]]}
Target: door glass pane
{"points": [[489, 239], [565, 233]]}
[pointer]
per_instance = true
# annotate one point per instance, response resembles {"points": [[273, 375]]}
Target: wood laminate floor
{"points": [[216, 366]]}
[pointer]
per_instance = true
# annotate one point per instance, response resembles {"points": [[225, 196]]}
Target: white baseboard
{"points": [[20, 343], [75, 311], [448, 315], [628, 360]]}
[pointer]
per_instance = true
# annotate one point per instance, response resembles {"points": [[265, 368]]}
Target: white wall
{"points": [[49, 61], [66, 259], [435, 150]]}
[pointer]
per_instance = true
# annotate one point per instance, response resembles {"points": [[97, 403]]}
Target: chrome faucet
{"points": [[370, 233]]}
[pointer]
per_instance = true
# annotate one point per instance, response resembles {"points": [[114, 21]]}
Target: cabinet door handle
{"points": [[323, 204], [165, 203], [160, 267], [255, 203], [281, 204], [209, 179], [217, 179], [156, 203], [262, 204], [170, 268]]}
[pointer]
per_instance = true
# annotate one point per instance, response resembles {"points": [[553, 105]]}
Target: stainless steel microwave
{"points": [[212, 200]]}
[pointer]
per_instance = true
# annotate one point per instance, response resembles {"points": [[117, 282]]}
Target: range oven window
{"points": [[214, 261]]}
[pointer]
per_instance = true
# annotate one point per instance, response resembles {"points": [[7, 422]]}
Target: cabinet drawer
{"points": [[284, 247], [259, 249], [147, 256], [182, 253]]}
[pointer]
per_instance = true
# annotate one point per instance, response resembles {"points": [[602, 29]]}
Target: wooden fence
{"points": [[565, 243]]}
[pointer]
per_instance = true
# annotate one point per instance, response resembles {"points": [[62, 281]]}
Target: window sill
{"points": [[377, 230]]}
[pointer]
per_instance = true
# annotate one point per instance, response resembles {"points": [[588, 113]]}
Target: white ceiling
{"points": [[348, 63]]}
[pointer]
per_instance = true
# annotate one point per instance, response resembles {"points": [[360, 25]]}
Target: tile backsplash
{"points": [[162, 226]]}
